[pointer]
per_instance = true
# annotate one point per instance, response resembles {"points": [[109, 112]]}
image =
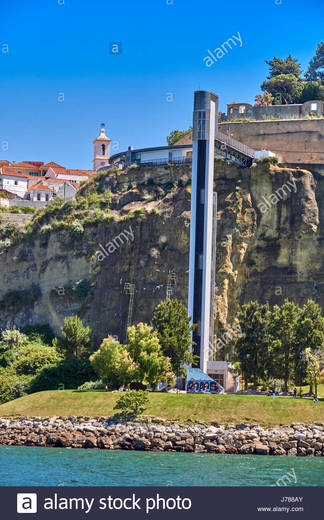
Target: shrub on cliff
{"points": [[77, 229], [269, 160]]}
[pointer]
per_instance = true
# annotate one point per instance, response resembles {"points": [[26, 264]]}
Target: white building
{"points": [[13, 182], [40, 193]]}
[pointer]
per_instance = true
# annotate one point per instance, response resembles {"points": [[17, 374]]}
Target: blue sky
{"points": [[59, 80]]}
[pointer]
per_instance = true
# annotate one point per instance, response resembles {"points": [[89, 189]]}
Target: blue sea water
{"points": [[32, 466]]}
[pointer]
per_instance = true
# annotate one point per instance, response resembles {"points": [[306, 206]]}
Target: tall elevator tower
{"points": [[202, 258]]}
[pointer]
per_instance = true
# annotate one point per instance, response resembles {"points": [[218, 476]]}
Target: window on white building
{"points": [[38, 196], [46, 197], [103, 149], [16, 183], [242, 109], [313, 107]]}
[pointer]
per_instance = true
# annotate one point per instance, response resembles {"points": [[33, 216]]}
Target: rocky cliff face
{"points": [[269, 247]]}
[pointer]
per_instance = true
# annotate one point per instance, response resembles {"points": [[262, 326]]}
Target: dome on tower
{"points": [[102, 135]]}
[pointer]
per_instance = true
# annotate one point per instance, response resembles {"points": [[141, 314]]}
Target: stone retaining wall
{"points": [[77, 432]]}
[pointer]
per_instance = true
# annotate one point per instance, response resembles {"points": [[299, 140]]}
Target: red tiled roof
{"points": [[53, 179], [35, 163], [51, 164], [28, 164], [25, 164], [39, 187], [6, 170], [88, 172], [5, 162]]}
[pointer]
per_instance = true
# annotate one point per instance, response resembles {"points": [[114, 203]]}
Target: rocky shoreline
{"points": [[84, 432]]}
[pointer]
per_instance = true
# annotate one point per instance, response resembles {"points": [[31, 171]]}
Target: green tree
{"points": [[309, 334], [284, 322], [113, 363], [312, 90], [316, 65], [171, 322], [313, 368], [145, 350], [285, 88], [252, 348], [76, 341], [32, 358], [287, 66], [132, 403], [175, 135]]}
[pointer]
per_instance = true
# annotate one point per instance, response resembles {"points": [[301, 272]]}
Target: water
{"points": [[31, 466]]}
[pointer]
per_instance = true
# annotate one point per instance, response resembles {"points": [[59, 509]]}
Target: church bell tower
{"points": [[101, 149]]}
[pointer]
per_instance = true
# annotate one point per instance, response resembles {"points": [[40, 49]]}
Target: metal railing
{"points": [[234, 144]]}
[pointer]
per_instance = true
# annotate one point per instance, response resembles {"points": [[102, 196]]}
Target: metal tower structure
{"points": [[202, 258], [129, 288], [172, 282]]}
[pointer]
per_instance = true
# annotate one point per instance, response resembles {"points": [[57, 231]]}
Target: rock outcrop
{"points": [[269, 247]]}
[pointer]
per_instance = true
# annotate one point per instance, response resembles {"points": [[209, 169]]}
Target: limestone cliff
{"points": [[269, 246]]}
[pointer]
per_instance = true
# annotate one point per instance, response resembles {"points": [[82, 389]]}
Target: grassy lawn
{"points": [[177, 407]]}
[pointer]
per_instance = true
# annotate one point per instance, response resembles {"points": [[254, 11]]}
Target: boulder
{"points": [[90, 442], [300, 436], [141, 444], [303, 444], [199, 448], [104, 442], [301, 452], [261, 449], [246, 449], [211, 436], [292, 452], [230, 449], [212, 446], [242, 426], [279, 450]]}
